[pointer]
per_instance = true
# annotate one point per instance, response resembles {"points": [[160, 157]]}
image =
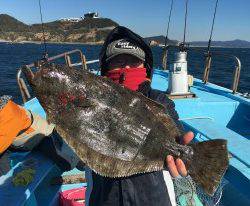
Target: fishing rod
{"points": [[165, 51], [182, 45], [208, 54], [169, 19], [185, 25], [45, 54], [212, 28]]}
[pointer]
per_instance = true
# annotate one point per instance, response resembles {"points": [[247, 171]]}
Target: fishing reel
{"points": [[42, 61], [183, 46]]}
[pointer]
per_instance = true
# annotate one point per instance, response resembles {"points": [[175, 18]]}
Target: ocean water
{"points": [[13, 56]]}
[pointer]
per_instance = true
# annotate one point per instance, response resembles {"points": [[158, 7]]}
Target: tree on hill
{"points": [[10, 24], [87, 30], [91, 23]]}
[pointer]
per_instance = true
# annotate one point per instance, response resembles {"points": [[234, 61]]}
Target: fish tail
{"points": [[209, 163]]}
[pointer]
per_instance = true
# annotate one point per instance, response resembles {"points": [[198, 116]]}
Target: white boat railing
{"points": [[208, 60], [88, 62], [68, 61], [236, 71], [83, 63]]}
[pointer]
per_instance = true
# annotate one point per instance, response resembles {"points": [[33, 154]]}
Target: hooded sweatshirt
{"points": [[147, 189]]}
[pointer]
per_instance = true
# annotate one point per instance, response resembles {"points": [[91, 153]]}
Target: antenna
{"points": [[45, 54]]}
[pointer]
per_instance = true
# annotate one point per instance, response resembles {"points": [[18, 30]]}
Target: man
{"points": [[127, 59]]}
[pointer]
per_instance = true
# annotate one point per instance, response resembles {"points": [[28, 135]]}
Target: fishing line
{"points": [[212, 29], [45, 55]]}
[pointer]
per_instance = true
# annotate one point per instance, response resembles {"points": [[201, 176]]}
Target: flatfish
{"points": [[118, 132]]}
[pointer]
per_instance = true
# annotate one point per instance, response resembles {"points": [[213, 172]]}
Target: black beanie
{"points": [[121, 32]]}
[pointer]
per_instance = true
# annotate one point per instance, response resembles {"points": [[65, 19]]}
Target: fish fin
{"points": [[152, 103], [105, 165], [166, 112], [167, 105], [209, 163], [171, 111], [163, 107]]}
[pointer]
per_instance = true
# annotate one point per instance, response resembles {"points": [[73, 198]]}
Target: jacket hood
{"points": [[121, 32]]}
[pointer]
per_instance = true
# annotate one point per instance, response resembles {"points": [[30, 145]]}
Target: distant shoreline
{"points": [[38, 42], [199, 46], [101, 42], [224, 47]]}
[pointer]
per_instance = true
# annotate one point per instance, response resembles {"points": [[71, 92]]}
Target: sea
{"points": [[13, 56]]}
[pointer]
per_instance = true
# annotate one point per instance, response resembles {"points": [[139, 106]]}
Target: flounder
{"points": [[118, 132]]}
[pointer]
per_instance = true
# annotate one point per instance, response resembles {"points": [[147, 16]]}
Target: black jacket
{"points": [[138, 190], [143, 189]]}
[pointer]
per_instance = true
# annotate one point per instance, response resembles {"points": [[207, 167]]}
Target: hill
{"points": [[237, 43], [159, 40], [88, 30], [8, 24]]}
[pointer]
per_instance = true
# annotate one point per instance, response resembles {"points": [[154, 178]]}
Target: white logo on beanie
{"points": [[125, 45]]}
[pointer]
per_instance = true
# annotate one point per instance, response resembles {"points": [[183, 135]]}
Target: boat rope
{"points": [[45, 55], [212, 29], [169, 19]]}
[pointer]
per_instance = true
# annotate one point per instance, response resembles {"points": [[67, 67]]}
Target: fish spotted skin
{"points": [[115, 131]]}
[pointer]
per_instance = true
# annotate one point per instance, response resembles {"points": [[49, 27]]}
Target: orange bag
{"points": [[13, 119]]}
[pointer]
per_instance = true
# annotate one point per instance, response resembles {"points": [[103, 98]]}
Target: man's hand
{"points": [[177, 167]]}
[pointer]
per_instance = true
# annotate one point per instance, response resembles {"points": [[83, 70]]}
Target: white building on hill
{"points": [[89, 15], [93, 15], [71, 19]]}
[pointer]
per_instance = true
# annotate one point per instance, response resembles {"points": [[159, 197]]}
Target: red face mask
{"points": [[129, 77]]}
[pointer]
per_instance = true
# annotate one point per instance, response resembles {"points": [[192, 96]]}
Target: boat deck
{"points": [[213, 113], [216, 113]]}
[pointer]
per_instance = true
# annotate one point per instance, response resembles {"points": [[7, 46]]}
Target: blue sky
{"points": [[146, 17]]}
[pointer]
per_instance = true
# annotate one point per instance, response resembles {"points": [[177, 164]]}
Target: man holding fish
{"points": [[123, 136], [130, 64]]}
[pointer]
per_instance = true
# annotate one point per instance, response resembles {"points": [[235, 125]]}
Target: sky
{"points": [[146, 17]]}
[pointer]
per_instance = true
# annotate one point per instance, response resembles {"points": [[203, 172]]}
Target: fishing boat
{"points": [[209, 110]]}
